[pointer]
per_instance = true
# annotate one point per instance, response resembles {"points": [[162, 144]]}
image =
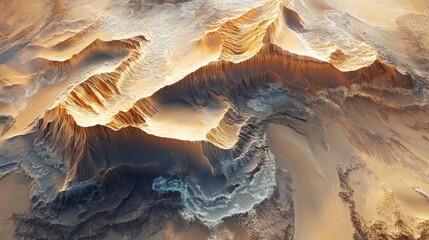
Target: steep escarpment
{"points": [[79, 54], [242, 37], [88, 151], [223, 83], [100, 88]]}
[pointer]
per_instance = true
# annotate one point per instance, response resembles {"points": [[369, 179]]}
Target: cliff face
{"points": [[221, 81], [247, 119]]}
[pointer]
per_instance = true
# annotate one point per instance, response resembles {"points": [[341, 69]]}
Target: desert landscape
{"points": [[214, 119]]}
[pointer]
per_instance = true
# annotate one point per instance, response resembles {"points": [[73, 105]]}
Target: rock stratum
{"points": [[208, 119]]}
